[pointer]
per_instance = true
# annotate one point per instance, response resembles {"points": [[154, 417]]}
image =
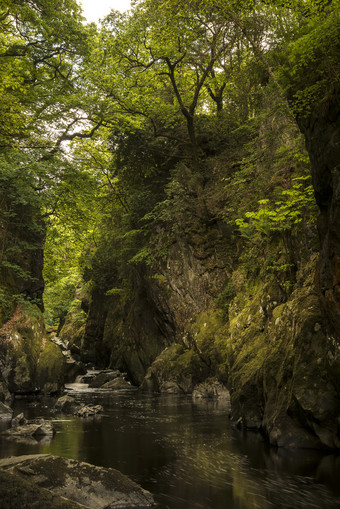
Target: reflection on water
{"points": [[187, 455]]}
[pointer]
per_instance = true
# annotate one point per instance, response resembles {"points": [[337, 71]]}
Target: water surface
{"points": [[186, 453]]}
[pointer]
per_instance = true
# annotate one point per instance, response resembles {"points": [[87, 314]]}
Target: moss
{"points": [[17, 493], [33, 361], [25, 334], [74, 328], [208, 334], [180, 365], [279, 374], [51, 367]]}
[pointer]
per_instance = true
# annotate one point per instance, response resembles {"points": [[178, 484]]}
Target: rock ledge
{"points": [[88, 485]]}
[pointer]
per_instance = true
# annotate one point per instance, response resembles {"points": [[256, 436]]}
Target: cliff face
{"points": [[322, 133], [28, 360], [259, 311], [285, 359], [126, 336], [130, 334], [284, 366]]}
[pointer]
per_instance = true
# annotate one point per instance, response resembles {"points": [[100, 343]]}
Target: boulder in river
{"points": [[18, 420], [104, 377], [67, 405], [35, 429], [170, 388], [211, 389], [118, 384], [88, 485], [89, 410]]}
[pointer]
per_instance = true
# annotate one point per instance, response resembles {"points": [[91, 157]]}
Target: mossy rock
{"points": [[281, 361], [208, 333], [32, 361], [51, 369], [74, 328], [25, 337], [15, 492], [178, 365], [53, 477]]}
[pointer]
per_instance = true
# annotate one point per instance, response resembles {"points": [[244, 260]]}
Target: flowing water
{"points": [[186, 453]]}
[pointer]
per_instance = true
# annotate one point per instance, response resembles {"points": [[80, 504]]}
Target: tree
{"points": [[41, 47], [163, 65]]}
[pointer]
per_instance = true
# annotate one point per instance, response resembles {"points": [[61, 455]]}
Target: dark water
{"points": [[187, 455]]}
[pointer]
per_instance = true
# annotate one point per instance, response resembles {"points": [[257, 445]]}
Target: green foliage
{"points": [[311, 64], [295, 204], [59, 297]]}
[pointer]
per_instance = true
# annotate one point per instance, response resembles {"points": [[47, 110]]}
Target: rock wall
{"points": [[285, 357], [127, 335], [322, 133], [209, 309], [128, 332], [284, 366]]}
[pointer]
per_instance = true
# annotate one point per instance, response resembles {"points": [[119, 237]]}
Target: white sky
{"points": [[93, 10]]}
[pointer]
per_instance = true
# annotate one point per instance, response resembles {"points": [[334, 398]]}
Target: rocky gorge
{"points": [[174, 235], [276, 351]]}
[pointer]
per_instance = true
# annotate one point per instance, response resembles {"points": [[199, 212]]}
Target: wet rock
{"points": [[36, 429], [177, 366], [67, 404], [5, 412], [99, 487], [5, 395], [118, 384], [211, 389], [85, 379], [170, 388], [75, 350], [60, 343], [19, 420], [89, 410], [73, 368], [104, 377]]}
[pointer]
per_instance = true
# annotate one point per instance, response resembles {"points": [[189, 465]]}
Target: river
{"points": [[186, 453]]}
